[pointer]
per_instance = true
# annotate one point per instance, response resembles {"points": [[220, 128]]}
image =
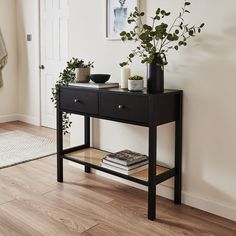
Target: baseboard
{"points": [[28, 119], [19, 117], [8, 118], [211, 206], [187, 198]]}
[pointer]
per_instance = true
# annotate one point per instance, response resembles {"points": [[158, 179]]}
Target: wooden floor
{"points": [[33, 203]]}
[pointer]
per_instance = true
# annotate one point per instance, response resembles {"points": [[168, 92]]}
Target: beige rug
{"points": [[18, 147]]}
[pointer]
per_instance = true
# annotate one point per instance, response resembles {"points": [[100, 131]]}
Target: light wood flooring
{"points": [[33, 203]]}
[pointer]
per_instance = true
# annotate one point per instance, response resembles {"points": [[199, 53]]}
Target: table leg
{"points": [[59, 146], [178, 155], [152, 173], [87, 169]]}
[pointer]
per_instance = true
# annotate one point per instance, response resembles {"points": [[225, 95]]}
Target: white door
{"points": [[54, 52]]}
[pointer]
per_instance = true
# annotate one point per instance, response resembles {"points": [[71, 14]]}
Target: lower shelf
{"points": [[94, 156]]}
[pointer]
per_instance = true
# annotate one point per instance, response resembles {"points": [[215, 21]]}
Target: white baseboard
{"points": [[8, 118], [19, 117], [211, 206], [189, 199], [28, 119]]}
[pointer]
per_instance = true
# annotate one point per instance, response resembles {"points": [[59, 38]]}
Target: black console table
{"points": [[138, 108]]}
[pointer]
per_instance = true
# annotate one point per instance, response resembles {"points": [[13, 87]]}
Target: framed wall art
{"points": [[117, 13]]}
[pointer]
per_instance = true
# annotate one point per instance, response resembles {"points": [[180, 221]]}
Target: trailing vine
{"points": [[66, 77]]}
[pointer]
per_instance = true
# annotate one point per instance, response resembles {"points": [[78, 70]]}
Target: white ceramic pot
{"points": [[82, 75], [135, 85]]}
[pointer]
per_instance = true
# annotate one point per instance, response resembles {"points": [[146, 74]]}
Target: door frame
{"points": [[40, 57]]}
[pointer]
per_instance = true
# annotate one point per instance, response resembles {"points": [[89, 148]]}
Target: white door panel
{"points": [[54, 52]]}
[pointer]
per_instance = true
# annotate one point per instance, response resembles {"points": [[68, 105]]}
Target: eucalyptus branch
{"points": [[177, 18], [158, 38]]}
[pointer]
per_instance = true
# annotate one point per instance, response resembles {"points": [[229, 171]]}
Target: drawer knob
{"points": [[76, 100], [121, 107]]}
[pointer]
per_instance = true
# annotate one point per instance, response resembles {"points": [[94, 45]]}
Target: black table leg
{"points": [[152, 173], [59, 146], [87, 169], [178, 154]]}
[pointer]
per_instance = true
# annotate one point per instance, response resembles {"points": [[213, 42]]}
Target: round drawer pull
{"points": [[76, 100], [121, 107]]}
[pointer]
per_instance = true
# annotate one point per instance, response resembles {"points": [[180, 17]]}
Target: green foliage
{"points": [[66, 77], [77, 63], [159, 37], [136, 77]]}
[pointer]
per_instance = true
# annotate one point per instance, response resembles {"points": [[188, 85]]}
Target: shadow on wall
{"points": [[114, 136], [206, 73]]}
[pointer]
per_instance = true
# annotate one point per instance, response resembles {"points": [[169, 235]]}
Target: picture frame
{"points": [[117, 13]]}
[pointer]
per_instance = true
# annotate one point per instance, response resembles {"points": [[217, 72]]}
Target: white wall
{"points": [[28, 54], [20, 93], [9, 92], [206, 72]]}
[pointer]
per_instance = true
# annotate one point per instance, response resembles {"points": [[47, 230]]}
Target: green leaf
{"points": [[158, 11], [202, 25], [169, 37], [191, 33], [123, 64]]}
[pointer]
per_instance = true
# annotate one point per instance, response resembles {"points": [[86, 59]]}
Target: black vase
{"points": [[155, 76]]}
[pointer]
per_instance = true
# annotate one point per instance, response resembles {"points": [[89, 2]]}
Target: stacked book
{"points": [[125, 162]]}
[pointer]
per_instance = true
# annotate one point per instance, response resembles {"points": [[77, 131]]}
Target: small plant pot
{"points": [[82, 75], [135, 85]]}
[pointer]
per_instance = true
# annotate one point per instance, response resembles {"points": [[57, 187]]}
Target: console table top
{"points": [[126, 91]]}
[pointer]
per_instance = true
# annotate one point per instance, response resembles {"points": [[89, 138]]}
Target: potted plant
{"points": [[65, 78], [82, 70], [135, 83], [155, 40]]}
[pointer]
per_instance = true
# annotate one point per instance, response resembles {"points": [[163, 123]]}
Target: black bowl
{"points": [[99, 78]]}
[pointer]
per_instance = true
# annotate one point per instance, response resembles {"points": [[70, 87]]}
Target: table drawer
{"points": [[79, 100], [125, 107]]}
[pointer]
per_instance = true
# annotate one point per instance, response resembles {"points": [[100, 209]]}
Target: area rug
{"points": [[18, 147]]}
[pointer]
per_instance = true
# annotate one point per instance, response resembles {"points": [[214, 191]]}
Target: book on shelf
{"points": [[123, 167], [96, 86], [123, 171], [126, 157]]}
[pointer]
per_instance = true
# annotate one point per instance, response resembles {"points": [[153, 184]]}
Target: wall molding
{"points": [[19, 117], [189, 199], [29, 119], [8, 118], [209, 205]]}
